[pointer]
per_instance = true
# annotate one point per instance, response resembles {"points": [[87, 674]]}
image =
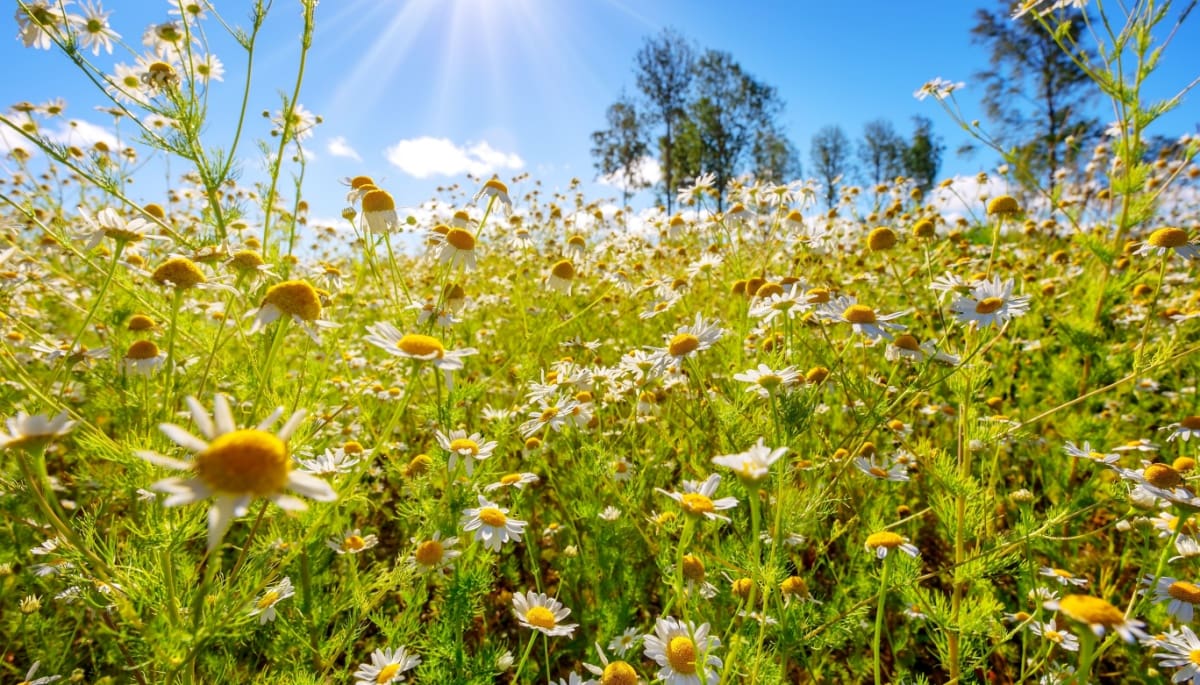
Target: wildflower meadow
{"points": [[531, 437]]}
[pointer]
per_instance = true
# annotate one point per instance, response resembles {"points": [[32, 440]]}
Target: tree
{"points": [[664, 75], [775, 158], [733, 115], [923, 155], [830, 154], [1034, 91], [880, 152], [621, 148]]}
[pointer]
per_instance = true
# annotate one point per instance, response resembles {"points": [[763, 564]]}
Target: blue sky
{"points": [[422, 90]]}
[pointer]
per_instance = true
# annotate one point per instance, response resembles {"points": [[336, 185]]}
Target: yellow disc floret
{"points": [[492, 517], [1005, 204], [245, 461], [180, 272], [681, 654], [142, 349], [859, 313], [1168, 237], [418, 345], [683, 344], [460, 239], [296, 298], [540, 617], [429, 553]]}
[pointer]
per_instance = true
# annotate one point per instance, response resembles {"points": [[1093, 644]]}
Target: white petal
{"points": [[160, 460], [201, 417], [220, 517], [289, 503], [183, 491], [223, 415], [292, 424], [310, 486], [265, 424], [182, 437]]}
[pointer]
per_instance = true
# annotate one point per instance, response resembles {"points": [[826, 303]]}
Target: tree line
{"points": [[700, 112]]}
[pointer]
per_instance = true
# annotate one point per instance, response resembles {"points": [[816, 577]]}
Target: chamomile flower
{"points": [[1169, 239], [537, 611], [754, 464], [495, 190], [24, 430], [417, 346], [107, 223], [1180, 596], [471, 449], [234, 466], [765, 381], [1086, 452], [492, 525], [93, 29], [434, 553], [513, 480], [38, 20], [1098, 615], [44, 680], [1184, 430], [863, 319], [264, 607], [1051, 632], [352, 542], [990, 302], [625, 641], [1063, 576], [296, 299], [885, 469], [882, 542], [379, 210], [683, 652], [387, 666], [143, 358], [562, 276], [696, 498], [458, 249], [688, 340]]}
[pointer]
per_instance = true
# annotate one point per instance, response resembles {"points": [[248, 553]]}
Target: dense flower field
{"points": [[532, 437]]}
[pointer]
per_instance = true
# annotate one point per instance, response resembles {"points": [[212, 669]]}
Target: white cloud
{"points": [[646, 169], [338, 147], [75, 132], [964, 197], [427, 156]]}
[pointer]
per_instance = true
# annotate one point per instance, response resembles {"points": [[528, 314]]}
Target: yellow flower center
{"points": [[1053, 636], [1162, 476], [1190, 423], [741, 587], [1184, 591], [268, 599], [767, 290], [354, 543], [421, 345], [1194, 657], [693, 568], [884, 538], [387, 673], [460, 239], [495, 186], [296, 298], [878, 472], [429, 553], [564, 270], [464, 445], [419, 464], [882, 238], [1168, 237], [683, 344], [246, 260], [618, 673], [1091, 610], [696, 504], [246, 461], [681, 654], [180, 272], [540, 616], [378, 201], [511, 478], [858, 313], [988, 305], [1005, 204], [907, 342], [142, 349], [794, 585], [360, 181], [492, 517]]}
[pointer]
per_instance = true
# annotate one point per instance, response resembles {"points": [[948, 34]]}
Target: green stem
{"points": [[879, 611]]}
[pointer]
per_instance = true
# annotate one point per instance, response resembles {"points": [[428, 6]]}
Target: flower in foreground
{"points": [[264, 608], [1179, 650], [234, 466], [416, 346], [1180, 595], [754, 464], [696, 498], [683, 652], [766, 381], [688, 340], [434, 553], [492, 525], [1098, 615], [1169, 239], [387, 666], [537, 611]]}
